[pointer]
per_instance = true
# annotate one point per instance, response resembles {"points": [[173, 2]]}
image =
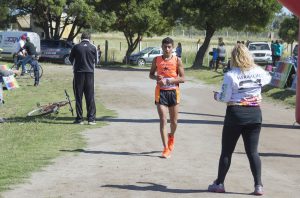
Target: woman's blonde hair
{"points": [[242, 58]]}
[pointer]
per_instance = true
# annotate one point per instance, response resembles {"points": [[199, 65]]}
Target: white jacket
{"points": [[243, 87]]}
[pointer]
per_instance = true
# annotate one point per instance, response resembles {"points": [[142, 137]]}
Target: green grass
{"points": [[27, 144], [270, 93]]}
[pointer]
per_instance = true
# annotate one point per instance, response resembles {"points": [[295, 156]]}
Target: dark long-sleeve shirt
{"points": [[30, 48], [84, 56]]}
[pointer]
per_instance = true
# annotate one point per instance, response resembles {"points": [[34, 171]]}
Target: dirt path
{"points": [[122, 159]]}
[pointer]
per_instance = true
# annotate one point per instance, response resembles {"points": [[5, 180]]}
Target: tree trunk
{"points": [[132, 45], [57, 28], [66, 22], [198, 62], [72, 32]]}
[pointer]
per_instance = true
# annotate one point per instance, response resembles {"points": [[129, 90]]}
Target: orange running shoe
{"points": [[171, 142], [166, 153]]}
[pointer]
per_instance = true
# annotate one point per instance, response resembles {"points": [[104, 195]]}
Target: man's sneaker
{"points": [[166, 153], [78, 122], [92, 123], [258, 190], [171, 141], [217, 188]]}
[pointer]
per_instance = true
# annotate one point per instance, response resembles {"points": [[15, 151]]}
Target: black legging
{"points": [[230, 136]]}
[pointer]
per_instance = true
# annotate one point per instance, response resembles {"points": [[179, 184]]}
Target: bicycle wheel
{"points": [[32, 71], [44, 110]]}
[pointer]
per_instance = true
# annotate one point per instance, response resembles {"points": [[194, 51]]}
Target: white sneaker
{"points": [[92, 123], [217, 188], [258, 190]]}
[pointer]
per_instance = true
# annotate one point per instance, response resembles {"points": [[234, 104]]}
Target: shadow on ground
{"points": [[188, 121], [147, 154], [273, 155], [149, 186], [120, 67]]}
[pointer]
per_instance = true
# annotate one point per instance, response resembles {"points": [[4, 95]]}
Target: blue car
{"points": [[56, 51]]}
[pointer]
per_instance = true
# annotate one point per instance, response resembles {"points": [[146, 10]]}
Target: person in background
{"points": [[179, 50], [241, 90], [99, 54], [84, 58], [273, 52], [31, 58], [20, 53], [221, 54], [277, 52], [213, 61]]}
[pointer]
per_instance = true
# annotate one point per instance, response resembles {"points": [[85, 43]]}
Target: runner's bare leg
{"points": [[173, 111], [162, 112]]}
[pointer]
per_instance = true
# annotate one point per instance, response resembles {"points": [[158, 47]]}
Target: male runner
{"points": [[169, 73]]}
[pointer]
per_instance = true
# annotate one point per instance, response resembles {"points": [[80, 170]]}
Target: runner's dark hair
{"points": [[167, 40]]}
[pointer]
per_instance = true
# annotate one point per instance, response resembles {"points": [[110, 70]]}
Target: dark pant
{"points": [[219, 60], [36, 70], [26, 60], [230, 136], [83, 83]]}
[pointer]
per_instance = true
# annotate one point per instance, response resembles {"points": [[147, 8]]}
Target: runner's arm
{"points": [[153, 70]]}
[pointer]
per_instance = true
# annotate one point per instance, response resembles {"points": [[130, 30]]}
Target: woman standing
{"points": [[179, 50], [241, 90]]}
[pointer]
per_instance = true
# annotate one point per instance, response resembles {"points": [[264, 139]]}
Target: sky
{"points": [[284, 9]]}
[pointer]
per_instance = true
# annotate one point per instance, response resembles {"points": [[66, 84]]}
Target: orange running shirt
{"points": [[167, 69]]}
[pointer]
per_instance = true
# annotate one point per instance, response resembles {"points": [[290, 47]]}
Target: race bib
{"points": [[168, 86]]}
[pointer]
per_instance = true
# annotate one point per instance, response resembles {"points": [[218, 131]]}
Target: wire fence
{"points": [[117, 44]]}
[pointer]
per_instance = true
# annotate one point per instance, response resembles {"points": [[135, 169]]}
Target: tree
{"points": [[4, 15], [53, 16], [251, 15], [289, 30], [136, 18]]}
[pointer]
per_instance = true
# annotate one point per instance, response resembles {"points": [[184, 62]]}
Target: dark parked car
{"points": [[56, 50]]}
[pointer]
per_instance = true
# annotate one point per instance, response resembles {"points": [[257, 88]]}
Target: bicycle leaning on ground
{"points": [[51, 107], [29, 67]]}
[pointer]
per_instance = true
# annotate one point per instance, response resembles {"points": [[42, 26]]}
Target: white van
{"points": [[9, 42]]}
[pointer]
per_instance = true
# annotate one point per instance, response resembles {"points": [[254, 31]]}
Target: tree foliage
{"points": [[4, 14], [53, 16], [289, 29], [251, 15], [136, 18]]}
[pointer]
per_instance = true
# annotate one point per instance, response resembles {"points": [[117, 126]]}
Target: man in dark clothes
{"points": [[31, 59], [84, 58]]}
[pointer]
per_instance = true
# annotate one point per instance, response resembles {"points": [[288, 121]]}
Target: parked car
{"points": [[261, 52], [146, 56], [56, 50]]}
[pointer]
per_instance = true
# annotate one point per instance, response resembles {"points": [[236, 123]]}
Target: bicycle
{"points": [[52, 107], [29, 68]]}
